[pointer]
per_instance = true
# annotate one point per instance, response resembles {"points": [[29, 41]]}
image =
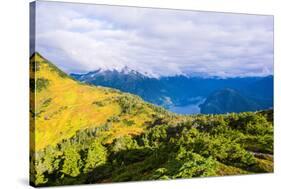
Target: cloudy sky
{"points": [[80, 37]]}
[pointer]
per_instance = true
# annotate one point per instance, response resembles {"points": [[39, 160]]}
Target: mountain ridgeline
{"points": [[83, 134], [255, 93]]}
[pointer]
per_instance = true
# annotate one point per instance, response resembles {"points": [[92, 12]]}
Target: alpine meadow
{"points": [[117, 98]]}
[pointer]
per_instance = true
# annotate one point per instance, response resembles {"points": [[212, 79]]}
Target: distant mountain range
{"points": [[252, 93]]}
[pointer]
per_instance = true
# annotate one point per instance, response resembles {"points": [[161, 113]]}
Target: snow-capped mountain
{"points": [[125, 71], [178, 90]]}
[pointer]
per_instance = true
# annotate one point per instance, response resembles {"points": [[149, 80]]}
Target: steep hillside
{"points": [[64, 106], [226, 101], [150, 89], [261, 91]]}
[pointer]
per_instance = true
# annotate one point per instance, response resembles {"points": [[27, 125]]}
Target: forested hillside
{"points": [[228, 100], [88, 134]]}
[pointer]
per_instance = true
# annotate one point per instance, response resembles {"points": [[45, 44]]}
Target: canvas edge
{"points": [[32, 40]]}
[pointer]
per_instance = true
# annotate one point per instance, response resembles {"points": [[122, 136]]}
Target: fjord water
{"points": [[192, 108]]}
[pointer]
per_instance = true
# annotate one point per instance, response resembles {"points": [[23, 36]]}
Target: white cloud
{"points": [[81, 38]]}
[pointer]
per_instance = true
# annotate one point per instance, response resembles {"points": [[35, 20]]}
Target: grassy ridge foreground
{"points": [[87, 134], [64, 106]]}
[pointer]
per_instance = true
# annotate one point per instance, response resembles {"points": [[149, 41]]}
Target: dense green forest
{"points": [[197, 146]]}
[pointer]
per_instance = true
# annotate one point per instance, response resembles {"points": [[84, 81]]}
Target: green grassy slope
{"points": [[88, 134]]}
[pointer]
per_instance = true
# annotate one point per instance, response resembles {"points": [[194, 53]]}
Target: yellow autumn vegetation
{"points": [[65, 106]]}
